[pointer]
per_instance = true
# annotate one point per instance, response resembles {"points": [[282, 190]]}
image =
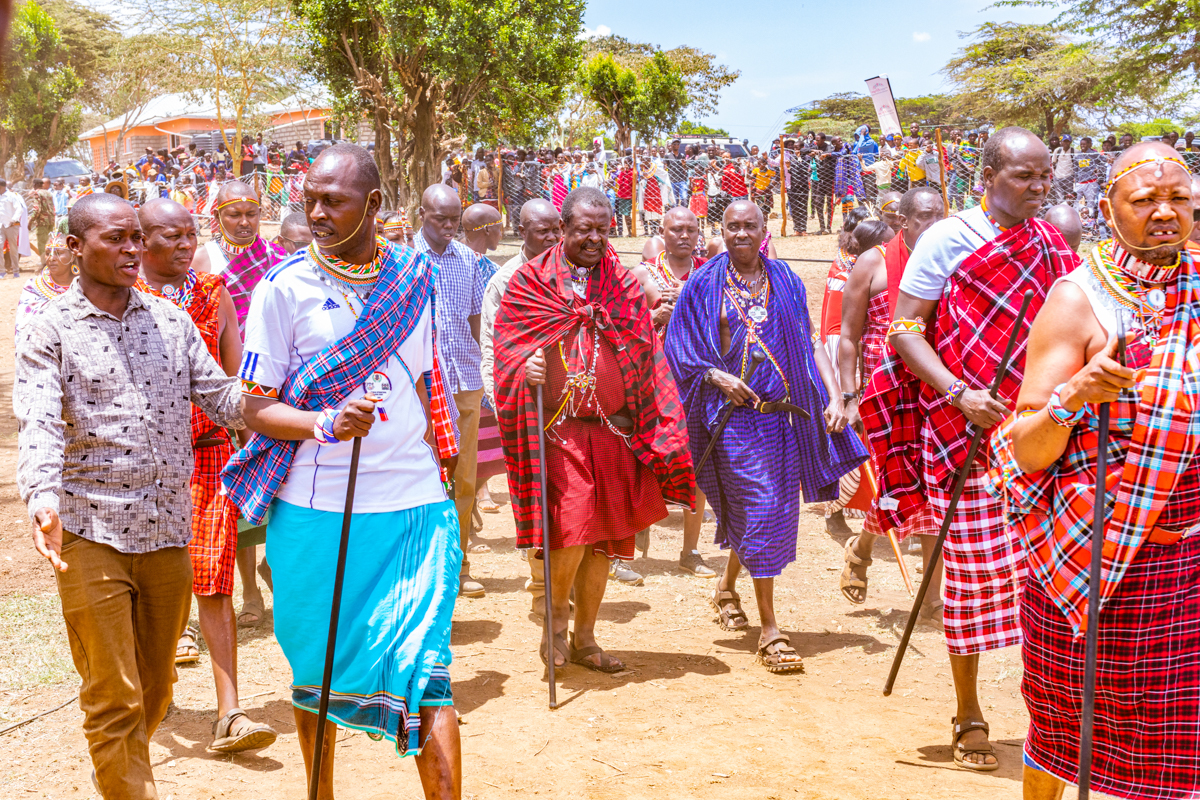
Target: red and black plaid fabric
{"points": [[1147, 729], [538, 311], [984, 568], [973, 322], [213, 549]]}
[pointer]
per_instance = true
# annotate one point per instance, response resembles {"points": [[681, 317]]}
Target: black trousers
{"points": [[823, 204], [798, 206]]}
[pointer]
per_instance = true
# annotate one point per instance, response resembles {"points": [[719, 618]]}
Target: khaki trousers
{"points": [[464, 474], [124, 614]]}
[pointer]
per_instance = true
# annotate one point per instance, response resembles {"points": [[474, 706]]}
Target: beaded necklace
{"points": [[230, 249], [44, 285], [663, 275], [750, 302], [579, 277], [340, 275], [180, 296], [1135, 285], [988, 214]]}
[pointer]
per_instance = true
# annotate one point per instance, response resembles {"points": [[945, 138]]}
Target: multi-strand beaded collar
{"points": [[1135, 284], [181, 296], [335, 273], [45, 286]]}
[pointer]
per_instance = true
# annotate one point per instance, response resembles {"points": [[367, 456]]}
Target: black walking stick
{"points": [[756, 358], [1092, 637], [959, 486], [551, 650], [339, 575]]}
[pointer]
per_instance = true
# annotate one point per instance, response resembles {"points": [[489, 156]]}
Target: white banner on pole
{"points": [[880, 89]]}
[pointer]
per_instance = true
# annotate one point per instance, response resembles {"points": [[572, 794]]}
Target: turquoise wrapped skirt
{"points": [[393, 646]]}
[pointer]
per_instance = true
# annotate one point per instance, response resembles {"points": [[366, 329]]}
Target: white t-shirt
{"points": [[217, 260], [293, 316], [941, 250]]}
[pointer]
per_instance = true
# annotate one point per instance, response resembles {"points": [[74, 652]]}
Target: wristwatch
{"points": [[848, 396]]}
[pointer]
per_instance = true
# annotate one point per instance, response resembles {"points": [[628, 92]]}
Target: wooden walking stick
{"points": [[959, 486], [891, 533], [1092, 635], [551, 651], [756, 358], [334, 612]]}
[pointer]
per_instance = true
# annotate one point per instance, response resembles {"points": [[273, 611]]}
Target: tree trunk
{"points": [[383, 157], [424, 163]]}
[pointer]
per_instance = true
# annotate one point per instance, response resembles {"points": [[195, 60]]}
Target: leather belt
{"points": [[779, 407], [209, 441], [1165, 537]]}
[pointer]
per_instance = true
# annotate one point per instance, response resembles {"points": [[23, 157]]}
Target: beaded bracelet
{"points": [[955, 391], [323, 427], [903, 325], [1059, 413]]}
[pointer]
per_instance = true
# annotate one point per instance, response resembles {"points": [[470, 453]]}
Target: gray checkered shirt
{"points": [[104, 409]]}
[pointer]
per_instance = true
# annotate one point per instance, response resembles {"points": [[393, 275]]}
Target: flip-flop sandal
{"points": [[730, 615], [848, 579], [934, 616], [258, 736], [251, 614], [560, 645], [477, 546], [961, 751], [608, 665], [773, 659], [488, 506], [186, 650]]}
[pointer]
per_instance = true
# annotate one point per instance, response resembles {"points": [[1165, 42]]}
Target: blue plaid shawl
{"points": [[405, 285]]}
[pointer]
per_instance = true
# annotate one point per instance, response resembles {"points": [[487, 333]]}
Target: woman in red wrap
{"points": [[575, 320]]}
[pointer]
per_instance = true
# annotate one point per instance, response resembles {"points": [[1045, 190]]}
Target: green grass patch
{"points": [[33, 641]]}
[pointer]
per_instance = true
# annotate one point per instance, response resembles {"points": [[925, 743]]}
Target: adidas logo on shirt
{"points": [[330, 305]]}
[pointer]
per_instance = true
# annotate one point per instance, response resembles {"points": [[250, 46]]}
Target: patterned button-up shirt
{"points": [[460, 285], [104, 413]]}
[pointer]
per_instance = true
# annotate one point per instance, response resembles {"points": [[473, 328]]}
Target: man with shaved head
{"points": [[169, 243], [787, 429], [540, 228], [339, 346], [956, 310], [237, 251], [889, 210], [1142, 285], [662, 278], [1066, 219], [461, 280], [104, 376]]}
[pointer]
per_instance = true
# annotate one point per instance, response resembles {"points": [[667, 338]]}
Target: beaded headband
{"points": [[1158, 160], [395, 225], [484, 226], [237, 199], [888, 203]]}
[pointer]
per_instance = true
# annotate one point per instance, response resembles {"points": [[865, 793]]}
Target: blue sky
{"points": [[791, 53]]}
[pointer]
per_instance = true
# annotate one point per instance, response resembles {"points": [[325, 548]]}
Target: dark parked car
{"points": [[68, 169]]}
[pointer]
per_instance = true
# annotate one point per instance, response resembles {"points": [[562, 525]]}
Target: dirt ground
{"points": [[692, 717]]}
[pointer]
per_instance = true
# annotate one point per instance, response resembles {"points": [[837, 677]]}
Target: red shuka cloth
{"points": [[539, 310]]}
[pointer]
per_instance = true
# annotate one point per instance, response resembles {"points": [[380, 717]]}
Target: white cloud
{"points": [[919, 36], [590, 33]]}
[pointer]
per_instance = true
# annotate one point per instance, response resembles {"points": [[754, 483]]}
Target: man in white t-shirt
{"points": [[984, 566], [339, 345]]}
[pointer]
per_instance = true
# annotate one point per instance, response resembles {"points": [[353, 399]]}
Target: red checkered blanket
{"points": [[972, 325]]}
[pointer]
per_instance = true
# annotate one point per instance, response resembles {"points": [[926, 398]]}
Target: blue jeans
{"points": [[681, 192]]}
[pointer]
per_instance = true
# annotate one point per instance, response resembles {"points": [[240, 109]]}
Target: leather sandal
{"points": [[258, 736], [848, 579], [730, 615], [186, 650], [961, 751], [580, 655], [773, 653]]}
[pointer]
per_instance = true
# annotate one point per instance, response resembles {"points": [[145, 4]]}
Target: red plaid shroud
{"points": [[537, 311], [974, 320]]}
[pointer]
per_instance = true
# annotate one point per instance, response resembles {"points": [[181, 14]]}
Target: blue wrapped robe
{"points": [[762, 461]]}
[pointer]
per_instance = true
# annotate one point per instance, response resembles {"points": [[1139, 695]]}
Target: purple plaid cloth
{"points": [[761, 462], [405, 285], [244, 272], [460, 285]]}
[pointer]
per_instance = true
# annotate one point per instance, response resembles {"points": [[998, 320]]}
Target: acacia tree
{"points": [[1032, 75], [38, 87], [649, 101], [1158, 39], [137, 69], [434, 74], [241, 53]]}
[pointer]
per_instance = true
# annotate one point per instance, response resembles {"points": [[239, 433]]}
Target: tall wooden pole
{"points": [[633, 201], [500, 190], [943, 163], [783, 180]]}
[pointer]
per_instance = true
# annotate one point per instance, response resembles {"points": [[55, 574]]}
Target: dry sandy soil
{"points": [[693, 717]]}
